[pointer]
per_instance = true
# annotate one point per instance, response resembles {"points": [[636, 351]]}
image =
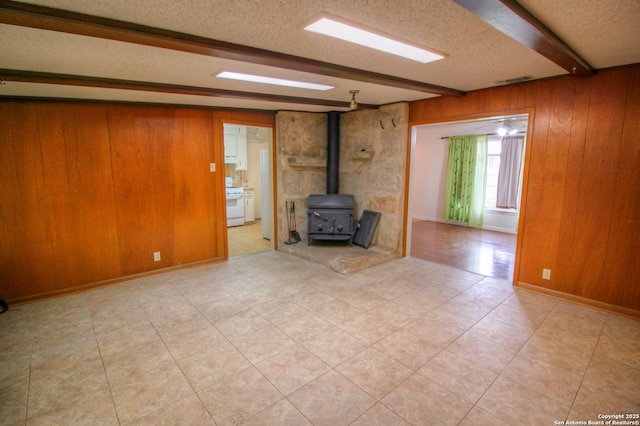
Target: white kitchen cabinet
{"points": [[235, 145], [230, 147], [249, 206]]}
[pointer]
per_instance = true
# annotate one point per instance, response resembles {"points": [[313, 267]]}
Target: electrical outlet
{"points": [[546, 274], [212, 167], [156, 256]]}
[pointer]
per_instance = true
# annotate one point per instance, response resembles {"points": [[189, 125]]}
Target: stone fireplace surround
{"points": [[372, 167]]}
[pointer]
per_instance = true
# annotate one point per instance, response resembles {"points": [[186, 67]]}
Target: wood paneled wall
{"points": [[582, 190], [163, 189], [90, 191], [57, 209]]}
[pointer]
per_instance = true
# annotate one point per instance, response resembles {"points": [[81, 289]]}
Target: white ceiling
{"points": [[604, 32]]}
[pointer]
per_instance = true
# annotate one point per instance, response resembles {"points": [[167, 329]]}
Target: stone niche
{"points": [[373, 155]]}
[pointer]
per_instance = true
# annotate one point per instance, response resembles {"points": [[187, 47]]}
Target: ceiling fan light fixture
{"points": [[271, 80], [353, 104], [355, 34], [507, 128]]}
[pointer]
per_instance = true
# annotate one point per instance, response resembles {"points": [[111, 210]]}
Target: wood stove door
{"points": [[330, 224]]}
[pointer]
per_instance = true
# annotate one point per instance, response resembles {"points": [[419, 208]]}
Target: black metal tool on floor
{"points": [[294, 236]]}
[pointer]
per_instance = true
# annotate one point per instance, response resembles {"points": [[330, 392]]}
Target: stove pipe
{"points": [[333, 151]]}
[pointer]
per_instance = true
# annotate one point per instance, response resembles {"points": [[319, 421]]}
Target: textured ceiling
{"points": [[604, 33]]}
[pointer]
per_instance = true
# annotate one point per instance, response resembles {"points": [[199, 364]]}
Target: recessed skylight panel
{"points": [[353, 34], [271, 80]]}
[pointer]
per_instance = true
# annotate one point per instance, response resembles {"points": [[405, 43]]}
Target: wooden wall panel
{"points": [[132, 152], [580, 217], [167, 200], [536, 223], [552, 130], [564, 277], [77, 173], [26, 252], [255, 118], [91, 191], [58, 214], [534, 228], [197, 207], [595, 215], [443, 108], [625, 228], [478, 101]]}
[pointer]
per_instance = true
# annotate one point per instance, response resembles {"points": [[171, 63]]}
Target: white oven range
{"points": [[235, 206]]}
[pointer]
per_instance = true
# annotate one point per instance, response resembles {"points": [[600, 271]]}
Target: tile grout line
{"points": [[584, 374], [104, 368]]}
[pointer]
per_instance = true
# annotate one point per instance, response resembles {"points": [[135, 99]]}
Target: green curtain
{"points": [[461, 173], [476, 216]]}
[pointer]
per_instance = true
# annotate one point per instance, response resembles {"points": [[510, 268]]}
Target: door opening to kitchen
{"points": [[249, 188]]}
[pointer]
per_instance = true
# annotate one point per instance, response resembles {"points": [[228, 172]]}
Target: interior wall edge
{"points": [[32, 298], [608, 307]]}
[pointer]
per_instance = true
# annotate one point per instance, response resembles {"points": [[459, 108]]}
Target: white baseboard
{"points": [[496, 229], [431, 219], [448, 222]]}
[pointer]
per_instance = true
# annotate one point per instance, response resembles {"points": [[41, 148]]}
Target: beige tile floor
{"points": [[271, 339], [247, 239]]}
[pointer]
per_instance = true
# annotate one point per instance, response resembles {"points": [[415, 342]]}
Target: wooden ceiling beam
{"points": [[111, 83], [508, 17], [46, 18]]}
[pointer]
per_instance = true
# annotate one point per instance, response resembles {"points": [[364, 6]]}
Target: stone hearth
{"points": [[373, 156], [340, 257]]}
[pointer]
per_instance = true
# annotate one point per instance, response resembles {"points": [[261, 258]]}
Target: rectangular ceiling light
{"points": [[271, 80], [362, 37]]}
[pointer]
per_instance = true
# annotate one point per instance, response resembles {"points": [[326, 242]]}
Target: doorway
{"points": [[248, 178], [487, 249]]}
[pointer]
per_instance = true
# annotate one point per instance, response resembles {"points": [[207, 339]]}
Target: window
{"points": [[512, 177]]}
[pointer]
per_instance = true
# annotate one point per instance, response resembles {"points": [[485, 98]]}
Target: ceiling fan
{"points": [[507, 126]]}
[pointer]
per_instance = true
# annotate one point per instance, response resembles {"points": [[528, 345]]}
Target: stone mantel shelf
{"points": [[362, 155], [305, 164]]}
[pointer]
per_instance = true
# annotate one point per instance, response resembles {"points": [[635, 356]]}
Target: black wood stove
{"points": [[330, 217]]}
